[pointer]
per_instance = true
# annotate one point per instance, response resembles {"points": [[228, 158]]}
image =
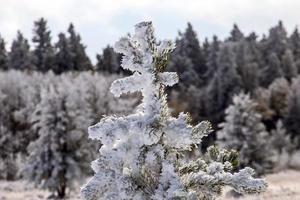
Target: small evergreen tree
{"points": [[283, 146], [63, 56], [247, 66], [224, 85], [292, 116], [8, 167], [20, 55], [194, 50], [244, 132], [109, 61], [281, 141], [278, 99], [57, 157], [271, 71], [212, 58], [188, 51], [277, 41], [236, 35], [289, 67], [143, 155], [206, 46], [3, 55], [294, 43], [43, 54], [80, 60], [14, 133]]}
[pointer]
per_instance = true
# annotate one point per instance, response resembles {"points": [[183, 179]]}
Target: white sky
{"points": [[102, 22]]}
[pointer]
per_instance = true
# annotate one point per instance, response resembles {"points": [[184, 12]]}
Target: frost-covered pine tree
{"points": [[271, 71], [289, 67], [292, 115], [59, 154], [244, 132], [143, 155], [282, 144], [225, 83]]}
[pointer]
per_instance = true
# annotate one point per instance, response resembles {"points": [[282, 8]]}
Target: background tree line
{"points": [[247, 86]]}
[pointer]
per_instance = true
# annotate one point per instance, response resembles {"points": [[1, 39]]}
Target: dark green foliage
{"points": [[294, 43], [79, 59], [289, 67], [277, 41], [292, 117], [20, 55], [247, 65], [225, 83], [271, 71], [43, 54], [3, 55], [109, 61], [212, 54], [188, 58], [63, 56], [236, 35]]}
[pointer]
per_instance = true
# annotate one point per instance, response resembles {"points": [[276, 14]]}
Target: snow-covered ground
{"points": [[282, 186]]}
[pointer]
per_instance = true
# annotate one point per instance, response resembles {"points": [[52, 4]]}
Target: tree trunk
{"points": [[61, 190]]}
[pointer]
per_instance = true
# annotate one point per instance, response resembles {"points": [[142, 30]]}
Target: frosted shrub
{"points": [[244, 132], [150, 154], [57, 157]]}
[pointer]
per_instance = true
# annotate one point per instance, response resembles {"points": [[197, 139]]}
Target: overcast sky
{"points": [[102, 22]]}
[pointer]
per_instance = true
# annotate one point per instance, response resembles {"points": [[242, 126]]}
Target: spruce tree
{"points": [[63, 56], [8, 168], [206, 46], [224, 84], [288, 65], [283, 146], [251, 37], [109, 61], [294, 43], [143, 155], [244, 132], [212, 57], [292, 116], [236, 35], [20, 56], [278, 98], [188, 61], [271, 71], [59, 154], [254, 47], [43, 54], [277, 41], [80, 60], [247, 66], [3, 55], [194, 50], [18, 96], [281, 141], [188, 50]]}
